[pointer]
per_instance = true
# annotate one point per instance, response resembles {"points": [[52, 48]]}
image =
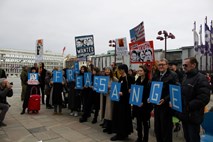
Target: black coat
{"points": [[121, 119], [146, 108], [195, 96]]}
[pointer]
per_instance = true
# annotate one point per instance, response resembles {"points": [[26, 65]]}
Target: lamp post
{"points": [[165, 37], [112, 43]]}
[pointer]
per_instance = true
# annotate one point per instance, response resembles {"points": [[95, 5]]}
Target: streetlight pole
{"points": [[165, 37]]}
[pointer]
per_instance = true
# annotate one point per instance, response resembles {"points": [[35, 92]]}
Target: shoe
{"points": [[2, 124], [23, 112], [116, 137], [71, 113], [94, 120], [76, 114], [81, 120], [49, 107]]}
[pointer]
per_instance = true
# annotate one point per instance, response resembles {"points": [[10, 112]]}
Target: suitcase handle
{"points": [[32, 90]]}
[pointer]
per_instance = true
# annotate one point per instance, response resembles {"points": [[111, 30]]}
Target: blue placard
{"points": [[175, 97], [57, 76], [114, 91], [76, 67], [156, 92], [87, 79], [33, 76], [103, 84], [136, 95], [95, 83], [70, 75], [79, 82]]}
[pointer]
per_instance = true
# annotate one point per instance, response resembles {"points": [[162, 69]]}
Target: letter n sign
{"points": [[156, 92], [114, 92], [136, 95], [57, 77], [175, 97]]}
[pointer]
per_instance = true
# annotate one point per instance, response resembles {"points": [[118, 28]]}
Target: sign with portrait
{"points": [[39, 51], [84, 46], [141, 52], [121, 47], [33, 79]]}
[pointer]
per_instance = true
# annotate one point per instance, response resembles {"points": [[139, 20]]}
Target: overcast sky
{"points": [[57, 22]]}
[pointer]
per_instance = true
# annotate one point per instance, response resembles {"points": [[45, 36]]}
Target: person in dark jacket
{"points": [[2, 73], [121, 118], [24, 78], [42, 73], [163, 112], [142, 113], [195, 96], [5, 91]]}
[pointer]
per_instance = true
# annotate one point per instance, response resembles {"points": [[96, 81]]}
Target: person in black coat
{"points": [[42, 73], [195, 96], [121, 118], [142, 113], [162, 112]]}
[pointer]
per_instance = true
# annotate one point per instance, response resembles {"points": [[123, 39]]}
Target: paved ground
{"points": [[47, 127]]}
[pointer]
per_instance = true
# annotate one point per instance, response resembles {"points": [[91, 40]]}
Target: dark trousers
{"points": [[163, 124], [48, 100], [191, 132], [4, 108], [60, 108], [42, 92], [145, 135]]}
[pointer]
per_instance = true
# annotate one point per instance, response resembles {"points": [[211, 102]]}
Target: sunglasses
{"points": [[185, 65]]}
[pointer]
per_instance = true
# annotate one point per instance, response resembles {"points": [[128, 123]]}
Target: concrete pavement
{"points": [[47, 127]]}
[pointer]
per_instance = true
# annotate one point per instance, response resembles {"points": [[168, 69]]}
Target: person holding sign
{"points": [[195, 96], [162, 111], [122, 121], [57, 83], [29, 87], [108, 102], [142, 112]]}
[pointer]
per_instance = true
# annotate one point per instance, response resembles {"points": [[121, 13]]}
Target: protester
{"points": [[142, 112], [24, 78], [115, 70], [108, 108], [163, 112], [57, 90], [42, 73], [31, 89], [195, 96], [47, 89], [122, 122]]}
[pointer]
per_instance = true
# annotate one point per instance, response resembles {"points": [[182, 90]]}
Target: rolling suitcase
{"points": [[34, 101]]}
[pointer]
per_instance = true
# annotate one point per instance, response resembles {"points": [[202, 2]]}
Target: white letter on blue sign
{"points": [[174, 99], [115, 92], [102, 83], [136, 95], [78, 85], [154, 94], [56, 73], [87, 83]]}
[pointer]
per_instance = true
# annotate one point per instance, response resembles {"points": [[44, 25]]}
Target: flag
{"points": [[196, 38], [207, 38], [211, 37], [63, 51], [201, 42], [138, 33]]}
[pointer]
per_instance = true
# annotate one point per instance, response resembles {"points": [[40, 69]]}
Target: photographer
{"points": [[5, 91]]}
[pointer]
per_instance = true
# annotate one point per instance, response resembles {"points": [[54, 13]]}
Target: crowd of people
{"points": [[117, 116]]}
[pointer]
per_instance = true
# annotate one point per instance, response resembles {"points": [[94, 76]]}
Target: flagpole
{"points": [[206, 50]]}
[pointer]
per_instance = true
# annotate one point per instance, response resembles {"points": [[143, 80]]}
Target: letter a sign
{"points": [[156, 92], [114, 92], [136, 95]]}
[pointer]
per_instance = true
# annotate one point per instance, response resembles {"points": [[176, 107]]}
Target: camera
{"points": [[11, 83]]}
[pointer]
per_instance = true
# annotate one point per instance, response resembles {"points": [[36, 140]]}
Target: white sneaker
{"points": [[76, 114], [71, 113]]}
